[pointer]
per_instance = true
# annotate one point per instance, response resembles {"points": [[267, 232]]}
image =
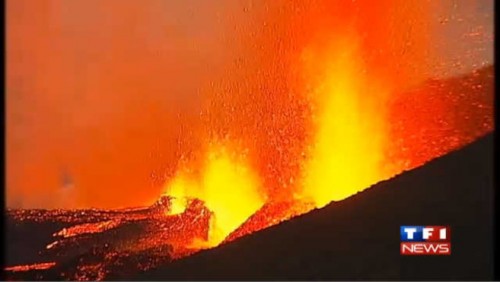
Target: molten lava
{"points": [[324, 121], [347, 153], [228, 188]]}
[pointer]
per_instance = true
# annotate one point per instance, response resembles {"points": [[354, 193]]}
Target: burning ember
{"points": [[36, 266], [328, 103]]}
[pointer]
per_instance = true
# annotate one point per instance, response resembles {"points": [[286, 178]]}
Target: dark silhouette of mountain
{"points": [[358, 238]]}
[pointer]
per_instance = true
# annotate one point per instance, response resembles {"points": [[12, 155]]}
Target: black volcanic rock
{"points": [[358, 238], [98, 244]]}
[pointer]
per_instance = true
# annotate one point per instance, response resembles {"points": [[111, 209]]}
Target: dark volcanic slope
{"points": [[359, 238]]}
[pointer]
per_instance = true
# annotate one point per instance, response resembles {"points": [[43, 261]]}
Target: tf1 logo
{"points": [[425, 240]]}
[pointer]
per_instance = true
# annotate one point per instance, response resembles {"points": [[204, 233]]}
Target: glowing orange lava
{"points": [[228, 188], [322, 122], [347, 152]]}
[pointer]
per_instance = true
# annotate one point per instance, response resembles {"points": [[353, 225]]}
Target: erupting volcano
{"points": [[322, 100], [336, 128]]}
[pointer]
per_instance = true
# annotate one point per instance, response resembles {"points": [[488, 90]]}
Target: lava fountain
{"points": [[347, 152], [344, 61], [350, 64], [228, 188]]}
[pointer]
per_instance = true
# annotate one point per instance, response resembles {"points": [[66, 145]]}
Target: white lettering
{"points": [[409, 232], [427, 232]]}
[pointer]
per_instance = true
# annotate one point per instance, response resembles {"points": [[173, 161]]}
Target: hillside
{"points": [[358, 238]]}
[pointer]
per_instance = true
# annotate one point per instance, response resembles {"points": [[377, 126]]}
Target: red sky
{"points": [[98, 88]]}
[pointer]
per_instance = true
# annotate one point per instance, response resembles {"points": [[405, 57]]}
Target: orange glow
{"points": [[229, 189], [35, 266], [348, 147], [316, 121], [106, 90], [259, 113], [177, 206], [177, 190], [353, 65]]}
